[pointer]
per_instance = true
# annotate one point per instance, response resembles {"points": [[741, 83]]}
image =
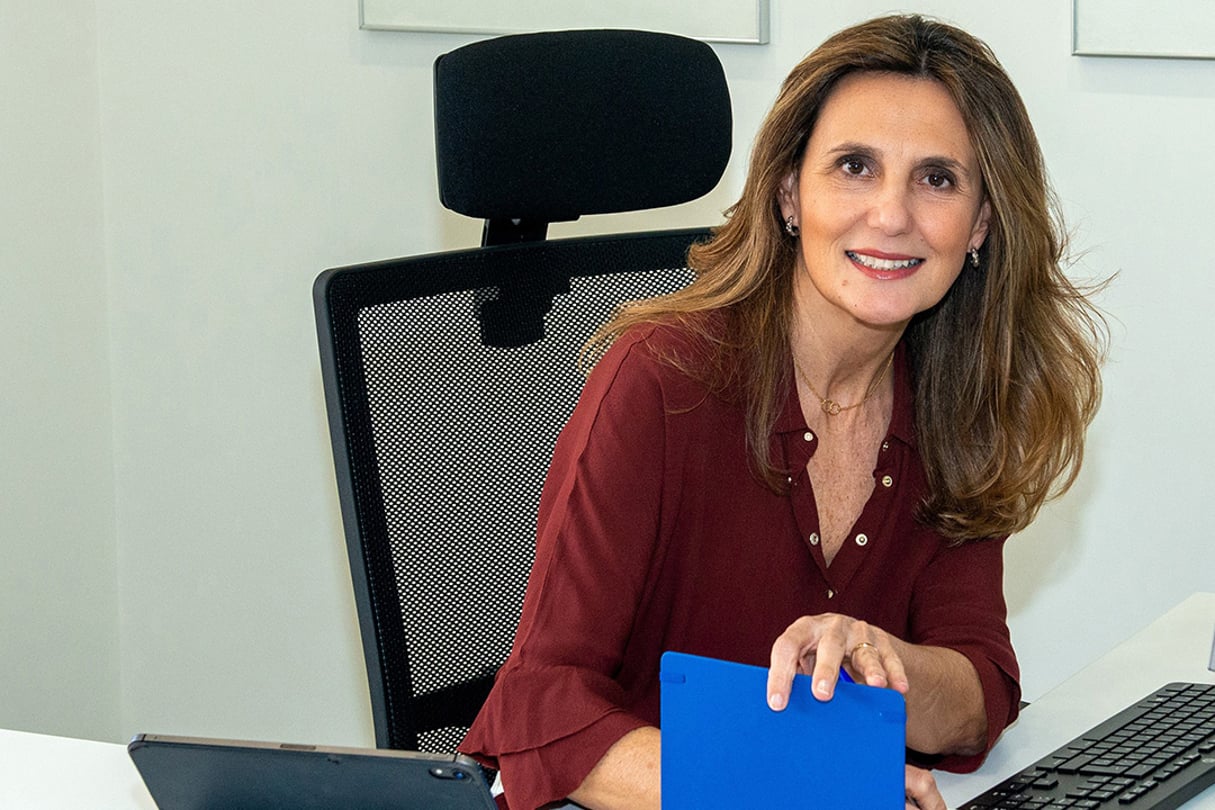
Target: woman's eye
{"points": [[938, 180], [853, 165]]}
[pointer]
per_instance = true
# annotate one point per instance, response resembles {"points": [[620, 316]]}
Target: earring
{"points": [[974, 257], [791, 227]]}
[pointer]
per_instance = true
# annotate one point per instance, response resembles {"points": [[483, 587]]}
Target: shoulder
{"points": [[687, 342], [667, 360]]}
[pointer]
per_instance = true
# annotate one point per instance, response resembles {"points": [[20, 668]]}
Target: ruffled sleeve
{"points": [[564, 696]]}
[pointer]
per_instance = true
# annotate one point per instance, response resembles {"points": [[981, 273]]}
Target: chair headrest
{"points": [[550, 126]]}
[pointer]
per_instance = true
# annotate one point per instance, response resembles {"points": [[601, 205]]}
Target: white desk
{"points": [[1175, 647], [39, 772]]}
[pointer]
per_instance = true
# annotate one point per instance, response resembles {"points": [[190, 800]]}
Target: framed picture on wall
{"points": [[1171, 29], [740, 21]]}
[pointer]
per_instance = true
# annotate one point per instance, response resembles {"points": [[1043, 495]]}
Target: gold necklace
{"points": [[830, 406]]}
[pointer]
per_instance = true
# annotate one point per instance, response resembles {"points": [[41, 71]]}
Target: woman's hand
{"points": [[922, 790], [819, 645], [946, 713]]}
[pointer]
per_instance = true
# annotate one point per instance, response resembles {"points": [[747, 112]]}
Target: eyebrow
{"points": [[942, 161]]}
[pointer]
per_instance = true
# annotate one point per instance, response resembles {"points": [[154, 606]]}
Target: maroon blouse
{"points": [[655, 535]]}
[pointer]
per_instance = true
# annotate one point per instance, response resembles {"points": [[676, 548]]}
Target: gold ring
{"points": [[860, 646]]}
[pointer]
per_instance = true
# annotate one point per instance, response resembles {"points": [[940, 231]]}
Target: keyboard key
{"points": [[1110, 769], [1074, 764]]}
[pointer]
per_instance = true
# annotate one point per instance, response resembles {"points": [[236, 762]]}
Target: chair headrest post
{"points": [[512, 231]]}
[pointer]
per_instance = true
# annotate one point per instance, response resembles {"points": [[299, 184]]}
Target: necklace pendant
{"points": [[831, 407]]}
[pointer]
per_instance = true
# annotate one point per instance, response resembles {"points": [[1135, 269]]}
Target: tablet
{"points": [[723, 747], [193, 773]]}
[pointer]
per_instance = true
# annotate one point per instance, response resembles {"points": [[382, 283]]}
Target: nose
{"points": [[891, 211]]}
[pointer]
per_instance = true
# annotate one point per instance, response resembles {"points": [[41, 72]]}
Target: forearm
{"points": [[628, 775], [946, 710]]}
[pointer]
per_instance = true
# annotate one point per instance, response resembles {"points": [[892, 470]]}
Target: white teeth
{"points": [[883, 264]]}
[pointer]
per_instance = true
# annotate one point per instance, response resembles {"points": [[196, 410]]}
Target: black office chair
{"points": [[448, 376]]}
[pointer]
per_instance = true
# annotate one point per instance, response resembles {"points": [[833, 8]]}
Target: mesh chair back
{"points": [[441, 444], [448, 377]]}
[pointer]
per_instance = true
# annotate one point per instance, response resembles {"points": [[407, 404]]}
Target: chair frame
{"points": [[339, 295]]}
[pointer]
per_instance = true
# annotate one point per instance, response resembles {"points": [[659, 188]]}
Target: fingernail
{"points": [[823, 688], [776, 702]]}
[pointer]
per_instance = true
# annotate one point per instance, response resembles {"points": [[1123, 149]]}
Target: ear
{"points": [[979, 233], [787, 199]]}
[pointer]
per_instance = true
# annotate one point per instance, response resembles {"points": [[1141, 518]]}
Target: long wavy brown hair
{"points": [[1005, 368]]}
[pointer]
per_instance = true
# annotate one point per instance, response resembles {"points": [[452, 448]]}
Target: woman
{"points": [[812, 455]]}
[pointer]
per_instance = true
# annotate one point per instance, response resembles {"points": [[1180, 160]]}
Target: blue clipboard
{"points": [[723, 747]]}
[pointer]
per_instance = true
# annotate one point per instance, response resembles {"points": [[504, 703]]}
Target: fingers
{"points": [[789, 652], [896, 673], [829, 657], [870, 664], [865, 652], [874, 659], [812, 645], [820, 645], [864, 661], [922, 790]]}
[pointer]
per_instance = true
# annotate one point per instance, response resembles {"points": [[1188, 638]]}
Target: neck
{"points": [[844, 366], [876, 391]]}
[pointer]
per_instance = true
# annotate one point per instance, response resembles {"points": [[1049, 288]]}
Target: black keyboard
{"points": [[1153, 755]]}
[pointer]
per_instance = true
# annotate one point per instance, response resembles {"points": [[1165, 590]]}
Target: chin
{"points": [[884, 317]]}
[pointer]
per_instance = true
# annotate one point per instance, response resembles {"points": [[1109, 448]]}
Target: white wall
{"points": [[246, 147], [58, 584]]}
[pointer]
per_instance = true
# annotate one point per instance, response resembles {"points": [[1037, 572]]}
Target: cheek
{"points": [[949, 231], [827, 220], [948, 279]]}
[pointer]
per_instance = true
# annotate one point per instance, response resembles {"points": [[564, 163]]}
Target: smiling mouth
{"points": [[883, 265]]}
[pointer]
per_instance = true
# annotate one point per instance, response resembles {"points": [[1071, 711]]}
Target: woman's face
{"points": [[889, 200]]}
